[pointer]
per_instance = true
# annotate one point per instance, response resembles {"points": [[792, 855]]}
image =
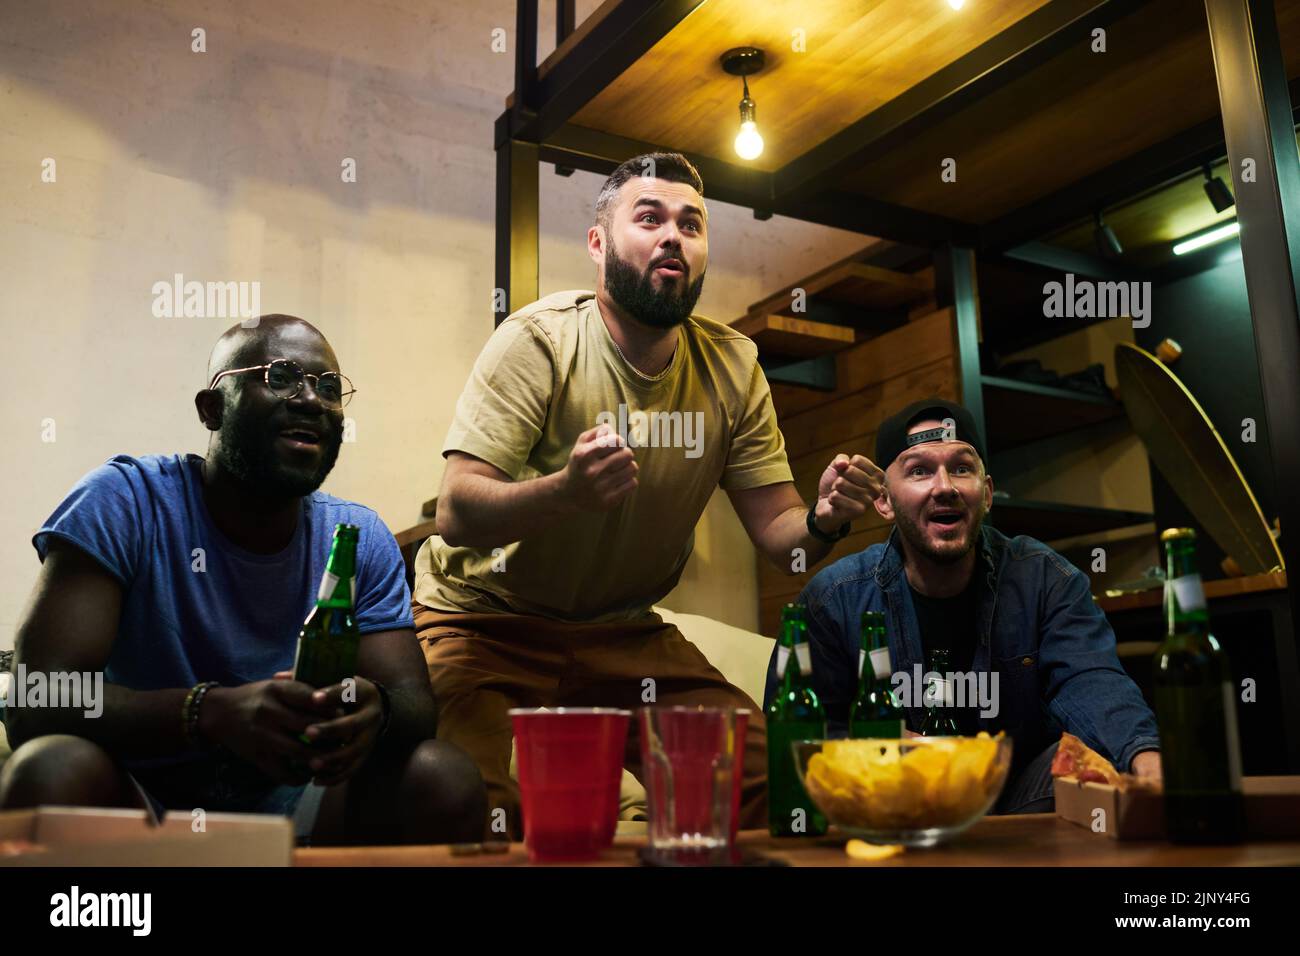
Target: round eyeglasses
{"points": [[285, 377]]}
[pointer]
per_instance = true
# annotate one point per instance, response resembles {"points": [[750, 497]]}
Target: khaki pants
{"points": [[481, 665]]}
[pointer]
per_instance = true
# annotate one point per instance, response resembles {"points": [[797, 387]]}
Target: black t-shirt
{"points": [[951, 623]]}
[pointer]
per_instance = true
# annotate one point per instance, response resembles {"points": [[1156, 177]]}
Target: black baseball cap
{"points": [[892, 438]]}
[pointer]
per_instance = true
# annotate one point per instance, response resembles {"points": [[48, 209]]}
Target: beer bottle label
{"points": [[804, 655], [1188, 592], [329, 582], [879, 663], [940, 693], [782, 658]]}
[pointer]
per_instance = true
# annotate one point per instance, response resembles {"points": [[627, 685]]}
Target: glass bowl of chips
{"points": [[918, 791]]}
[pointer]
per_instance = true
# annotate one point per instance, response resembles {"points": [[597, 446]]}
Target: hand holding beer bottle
{"points": [[262, 723], [327, 661], [341, 745], [320, 721]]}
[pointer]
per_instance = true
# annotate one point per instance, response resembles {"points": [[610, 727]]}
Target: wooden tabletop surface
{"points": [[1039, 839]]}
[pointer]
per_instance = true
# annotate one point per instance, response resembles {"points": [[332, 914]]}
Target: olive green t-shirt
{"points": [[550, 372]]}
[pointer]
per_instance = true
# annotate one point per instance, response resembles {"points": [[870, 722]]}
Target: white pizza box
{"points": [[1272, 808], [88, 836]]}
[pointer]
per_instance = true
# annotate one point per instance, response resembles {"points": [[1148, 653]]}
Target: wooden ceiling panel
{"points": [[859, 54], [1073, 116], [1076, 114]]}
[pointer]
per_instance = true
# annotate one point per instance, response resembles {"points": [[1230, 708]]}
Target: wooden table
{"points": [[1037, 839]]}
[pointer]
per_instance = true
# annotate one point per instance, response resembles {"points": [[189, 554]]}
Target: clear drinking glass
{"points": [[689, 758]]}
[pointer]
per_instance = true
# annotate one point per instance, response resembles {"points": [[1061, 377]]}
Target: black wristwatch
{"points": [[821, 535]]}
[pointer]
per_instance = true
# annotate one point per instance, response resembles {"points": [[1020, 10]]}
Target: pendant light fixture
{"points": [[745, 61]]}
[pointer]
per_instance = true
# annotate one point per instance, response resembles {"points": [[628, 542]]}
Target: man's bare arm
{"points": [[393, 658], [69, 627], [775, 517], [480, 506]]}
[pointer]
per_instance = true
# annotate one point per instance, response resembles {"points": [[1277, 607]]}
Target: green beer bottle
{"points": [[1200, 753], [328, 641], [795, 714], [875, 712], [938, 720]]}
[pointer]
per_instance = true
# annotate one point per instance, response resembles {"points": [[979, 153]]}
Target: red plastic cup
{"points": [[738, 771], [570, 763]]}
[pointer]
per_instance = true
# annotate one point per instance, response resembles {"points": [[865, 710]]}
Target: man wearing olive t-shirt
{"points": [[592, 432]]}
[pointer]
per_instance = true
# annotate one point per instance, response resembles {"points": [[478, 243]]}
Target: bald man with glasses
{"points": [[167, 575]]}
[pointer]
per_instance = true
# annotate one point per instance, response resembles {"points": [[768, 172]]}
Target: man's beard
{"points": [[635, 293], [247, 451], [952, 551]]}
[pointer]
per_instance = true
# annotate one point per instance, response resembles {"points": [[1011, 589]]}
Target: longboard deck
{"points": [[1191, 454]]}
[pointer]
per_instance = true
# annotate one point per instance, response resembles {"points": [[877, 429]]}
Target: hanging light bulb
{"points": [[956, 4], [749, 143], [745, 61]]}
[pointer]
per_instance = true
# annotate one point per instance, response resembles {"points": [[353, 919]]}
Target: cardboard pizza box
{"points": [[1272, 808], [86, 836]]}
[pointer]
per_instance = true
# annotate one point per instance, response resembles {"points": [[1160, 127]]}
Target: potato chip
{"points": [[869, 852]]}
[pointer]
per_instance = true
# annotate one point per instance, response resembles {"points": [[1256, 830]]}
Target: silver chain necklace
{"points": [[641, 374]]}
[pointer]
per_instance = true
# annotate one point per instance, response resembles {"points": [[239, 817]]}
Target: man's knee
{"points": [[60, 769], [447, 785]]}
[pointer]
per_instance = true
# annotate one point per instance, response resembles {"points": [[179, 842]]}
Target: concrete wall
{"points": [[225, 166]]}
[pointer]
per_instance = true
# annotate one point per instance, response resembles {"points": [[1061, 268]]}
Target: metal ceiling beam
{"points": [[846, 210], [1008, 56], [598, 152]]}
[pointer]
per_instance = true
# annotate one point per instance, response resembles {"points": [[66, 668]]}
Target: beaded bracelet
{"points": [[190, 712]]}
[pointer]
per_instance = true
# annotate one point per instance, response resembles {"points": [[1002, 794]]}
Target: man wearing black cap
{"points": [[1010, 612]]}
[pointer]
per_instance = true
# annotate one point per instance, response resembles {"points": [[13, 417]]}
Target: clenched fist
{"points": [[846, 487], [601, 470]]}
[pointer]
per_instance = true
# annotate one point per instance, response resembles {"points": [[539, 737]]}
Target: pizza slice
{"points": [[1077, 760]]}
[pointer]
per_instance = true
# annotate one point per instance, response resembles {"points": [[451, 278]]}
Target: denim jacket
{"points": [[1038, 629]]}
